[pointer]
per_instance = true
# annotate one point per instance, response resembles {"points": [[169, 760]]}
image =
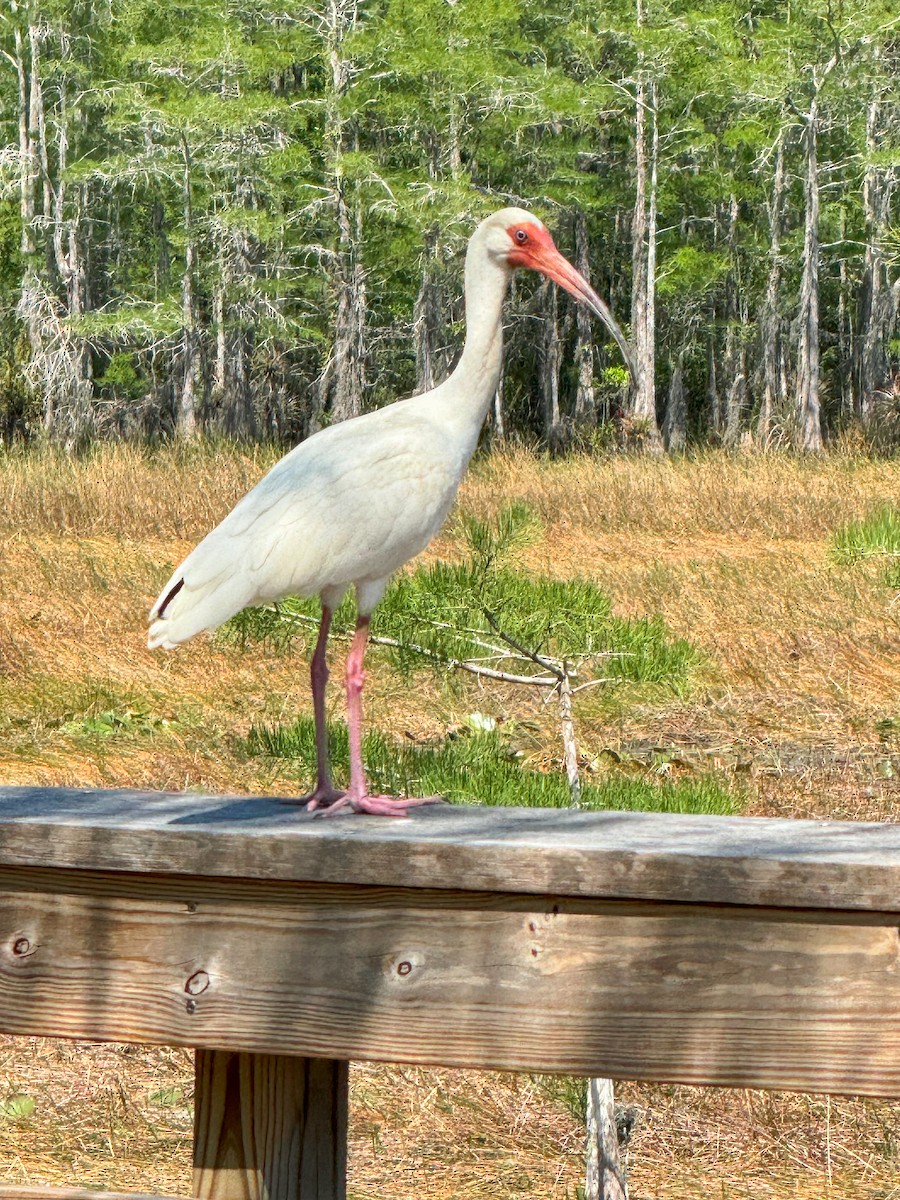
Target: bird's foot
{"points": [[323, 797], [379, 806]]}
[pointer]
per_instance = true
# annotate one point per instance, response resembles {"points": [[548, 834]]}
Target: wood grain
{"points": [[640, 856], [693, 993], [269, 1127]]}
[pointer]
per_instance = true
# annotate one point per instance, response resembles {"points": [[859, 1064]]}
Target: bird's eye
{"points": [[521, 237]]}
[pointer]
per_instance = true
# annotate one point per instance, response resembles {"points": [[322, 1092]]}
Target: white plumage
{"points": [[318, 521], [357, 500]]}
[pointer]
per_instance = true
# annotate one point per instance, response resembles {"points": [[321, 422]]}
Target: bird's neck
{"points": [[477, 373]]}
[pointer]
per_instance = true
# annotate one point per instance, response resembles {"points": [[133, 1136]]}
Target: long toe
{"points": [[390, 806]]}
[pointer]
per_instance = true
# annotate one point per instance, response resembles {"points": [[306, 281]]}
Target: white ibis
{"points": [[357, 500]]}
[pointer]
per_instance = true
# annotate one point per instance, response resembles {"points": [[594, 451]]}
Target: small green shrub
{"points": [[451, 611]]}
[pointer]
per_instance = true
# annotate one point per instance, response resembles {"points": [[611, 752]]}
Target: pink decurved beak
{"points": [[544, 257]]}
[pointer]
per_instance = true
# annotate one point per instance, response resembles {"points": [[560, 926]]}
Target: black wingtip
{"points": [[173, 592]]}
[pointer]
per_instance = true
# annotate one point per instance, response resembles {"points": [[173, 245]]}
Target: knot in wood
{"points": [[21, 947], [197, 983], [404, 968]]}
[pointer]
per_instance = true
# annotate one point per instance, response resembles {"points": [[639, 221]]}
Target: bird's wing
{"points": [[353, 502]]}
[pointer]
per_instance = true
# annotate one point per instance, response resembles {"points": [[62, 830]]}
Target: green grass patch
{"points": [[40, 711], [17, 1107], [115, 722], [100, 709], [875, 537], [478, 768]]}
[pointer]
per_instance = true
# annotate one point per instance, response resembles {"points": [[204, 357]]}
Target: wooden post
{"points": [[269, 1127]]}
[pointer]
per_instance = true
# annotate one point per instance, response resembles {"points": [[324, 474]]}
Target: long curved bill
{"points": [[558, 268]]}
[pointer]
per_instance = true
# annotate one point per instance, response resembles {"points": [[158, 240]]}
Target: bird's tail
{"points": [[186, 606]]}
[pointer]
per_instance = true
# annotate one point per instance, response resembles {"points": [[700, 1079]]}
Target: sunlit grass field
{"points": [[770, 585]]}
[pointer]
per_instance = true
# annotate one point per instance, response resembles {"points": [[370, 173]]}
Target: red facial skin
{"points": [[528, 241], [532, 246]]}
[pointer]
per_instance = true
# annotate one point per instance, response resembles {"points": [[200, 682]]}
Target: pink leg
{"points": [[357, 796], [325, 793]]}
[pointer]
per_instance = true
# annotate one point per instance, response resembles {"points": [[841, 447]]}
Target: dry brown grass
{"points": [[795, 703], [733, 552]]}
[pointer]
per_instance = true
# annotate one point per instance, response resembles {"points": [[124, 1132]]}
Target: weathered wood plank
{"points": [[819, 864], [269, 1127], [699, 994]]}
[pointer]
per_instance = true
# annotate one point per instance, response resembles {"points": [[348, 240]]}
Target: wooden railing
{"points": [[703, 950]]}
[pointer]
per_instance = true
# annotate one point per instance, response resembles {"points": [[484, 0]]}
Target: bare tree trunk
{"points": [[160, 400], [59, 367], [643, 311], [807, 401], [244, 252], [344, 378], [713, 399], [650, 367], [75, 421], [554, 434], [241, 414], [674, 429], [585, 404], [186, 394], [604, 1175], [348, 377], [28, 167], [874, 311], [845, 336], [567, 728], [771, 325], [29, 307], [736, 324], [427, 320], [37, 121], [220, 367]]}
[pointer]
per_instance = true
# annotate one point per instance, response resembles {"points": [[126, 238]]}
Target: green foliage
{"points": [[111, 724], [454, 611], [17, 1107], [475, 768], [208, 156], [691, 270], [515, 528], [876, 536], [121, 378], [570, 1092]]}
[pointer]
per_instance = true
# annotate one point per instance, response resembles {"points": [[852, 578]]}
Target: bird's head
{"points": [[517, 238]]}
